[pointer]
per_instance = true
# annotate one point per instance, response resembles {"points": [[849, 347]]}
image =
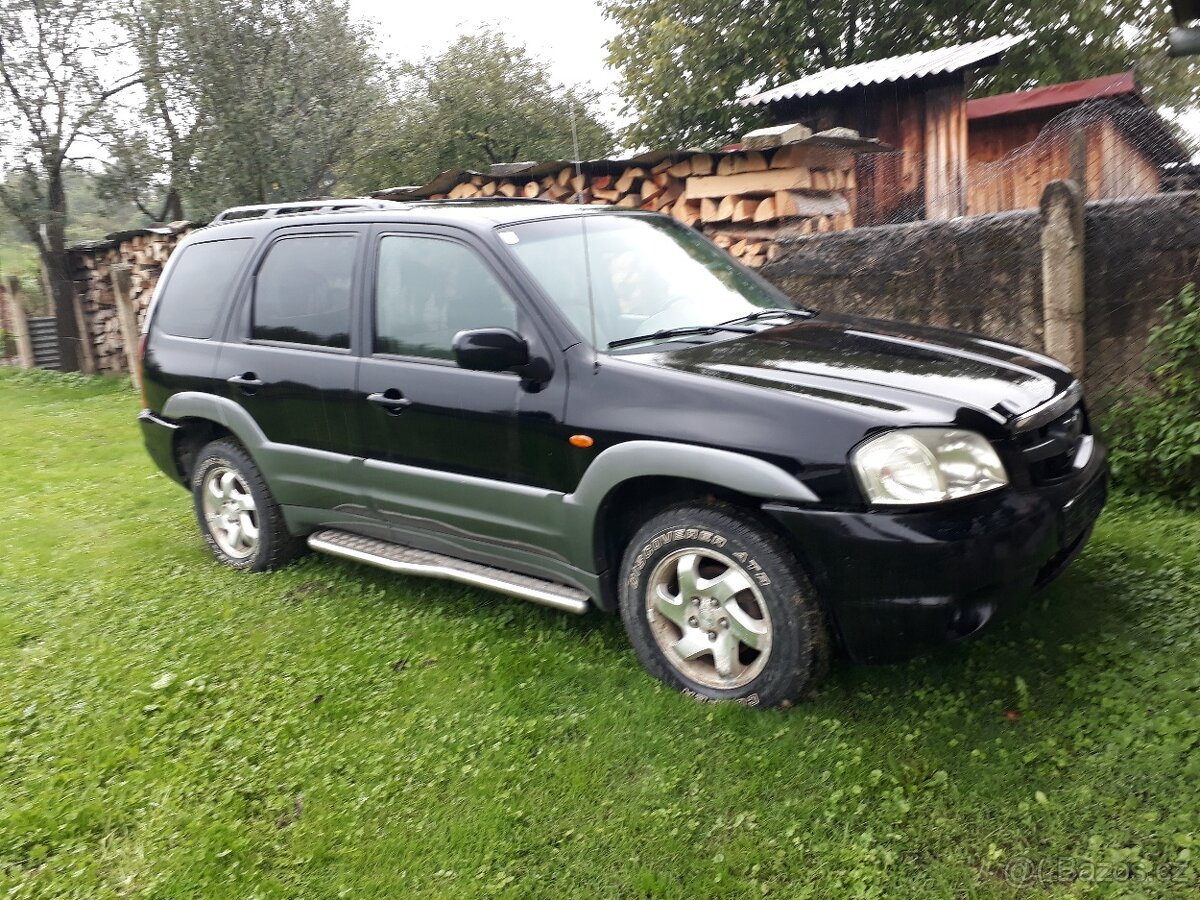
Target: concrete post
{"points": [[20, 327], [1062, 273], [120, 273]]}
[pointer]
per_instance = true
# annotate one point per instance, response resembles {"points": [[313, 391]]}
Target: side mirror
{"points": [[490, 350]]}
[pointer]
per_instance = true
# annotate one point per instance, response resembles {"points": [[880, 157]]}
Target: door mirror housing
{"points": [[491, 350]]}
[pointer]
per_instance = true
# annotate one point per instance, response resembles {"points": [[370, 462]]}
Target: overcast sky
{"points": [[568, 34]]}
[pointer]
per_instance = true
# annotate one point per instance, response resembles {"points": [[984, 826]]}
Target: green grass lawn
{"points": [[169, 728]]}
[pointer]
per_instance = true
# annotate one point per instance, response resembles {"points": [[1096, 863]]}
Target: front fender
{"points": [[638, 459]]}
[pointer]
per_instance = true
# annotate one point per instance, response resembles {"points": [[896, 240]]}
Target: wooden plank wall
{"points": [[945, 152], [891, 186], [1115, 168], [1124, 170]]}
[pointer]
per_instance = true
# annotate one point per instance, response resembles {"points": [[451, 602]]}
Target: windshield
{"points": [[647, 274]]}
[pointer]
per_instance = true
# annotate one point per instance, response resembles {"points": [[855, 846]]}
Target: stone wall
{"points": [[980, 274], [1138, 254], [983, 274]]}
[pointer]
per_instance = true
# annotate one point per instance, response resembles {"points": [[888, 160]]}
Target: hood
{"points": [[891, 364]]}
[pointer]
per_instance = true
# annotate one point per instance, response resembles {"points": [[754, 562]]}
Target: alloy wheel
{"points": [[708, 618]]}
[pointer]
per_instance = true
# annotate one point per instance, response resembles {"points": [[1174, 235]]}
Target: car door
{"points": [[290, 362], [449, 450]]}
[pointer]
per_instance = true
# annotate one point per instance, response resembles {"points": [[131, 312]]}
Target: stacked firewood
{"points": [[783, 181], [742, 199], [145, 253]]}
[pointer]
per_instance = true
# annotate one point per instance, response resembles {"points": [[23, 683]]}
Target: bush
{"points": [[1155, 435]]}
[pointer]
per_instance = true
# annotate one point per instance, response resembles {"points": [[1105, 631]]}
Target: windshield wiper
{"points": [[680, 332], [773, 313]]}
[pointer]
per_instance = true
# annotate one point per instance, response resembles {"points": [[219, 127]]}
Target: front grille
{"points": [[1050, 449]]}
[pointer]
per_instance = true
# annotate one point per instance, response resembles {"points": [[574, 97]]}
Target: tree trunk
{"points": [[53, 252], [174, 207]]}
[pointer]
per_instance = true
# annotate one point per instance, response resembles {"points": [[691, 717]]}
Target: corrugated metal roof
{"points": [[1053, 96], [895, 68]]}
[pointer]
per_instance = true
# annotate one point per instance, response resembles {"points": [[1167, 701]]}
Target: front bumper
{"points": [[899, 583]]}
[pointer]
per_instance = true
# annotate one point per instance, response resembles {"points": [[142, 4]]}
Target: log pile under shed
{"points": [[145, 252], [783, 180]]}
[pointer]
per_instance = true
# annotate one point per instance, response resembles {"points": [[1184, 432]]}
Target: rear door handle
{"points": [[391, 400], [246, 380]]}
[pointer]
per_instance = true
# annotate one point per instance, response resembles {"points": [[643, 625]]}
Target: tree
{"points": [[482, 101], [152, 164], [684, 62], [54, 56], [245, 101]]}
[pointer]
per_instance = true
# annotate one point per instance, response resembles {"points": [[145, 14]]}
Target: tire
{"points": [[239, 518], [749, 629]]}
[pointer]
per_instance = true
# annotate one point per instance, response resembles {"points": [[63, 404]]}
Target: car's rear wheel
{"points": [[239, 518], [715, 604]]}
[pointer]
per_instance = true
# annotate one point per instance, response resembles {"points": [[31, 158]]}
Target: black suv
{"points": [[582, 406]]}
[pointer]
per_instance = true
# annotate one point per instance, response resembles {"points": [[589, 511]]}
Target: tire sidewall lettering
{"points": [[693, 535]]}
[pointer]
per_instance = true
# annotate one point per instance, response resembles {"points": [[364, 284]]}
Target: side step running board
{"points": [[410, 561]]}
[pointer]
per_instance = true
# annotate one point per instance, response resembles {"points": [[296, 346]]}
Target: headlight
{"points": [[925, 465]]}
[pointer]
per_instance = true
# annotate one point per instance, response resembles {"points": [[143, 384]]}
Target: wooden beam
{"points": [[798, 203], [774, 136], [808, 156], [751, 183], [20, 325], [127, 317]]}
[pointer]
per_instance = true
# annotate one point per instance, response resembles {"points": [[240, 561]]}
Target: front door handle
{"points": [[247, 381], [391, 400]]}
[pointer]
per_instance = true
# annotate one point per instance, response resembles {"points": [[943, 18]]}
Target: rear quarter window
{"points": [[200, 282]]}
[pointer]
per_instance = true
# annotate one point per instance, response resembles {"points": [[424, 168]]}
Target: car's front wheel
{"points": [[716, 605], [239, 518]]}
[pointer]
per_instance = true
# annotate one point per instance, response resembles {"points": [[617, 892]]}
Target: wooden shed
{"points": [[918, 104], [957, 157], [1098, 131]]}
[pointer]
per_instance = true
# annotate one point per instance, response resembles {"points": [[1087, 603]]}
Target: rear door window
{"points": [[201, 279], [302, 294]]}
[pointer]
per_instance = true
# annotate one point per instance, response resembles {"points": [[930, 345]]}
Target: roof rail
{"points": [[493, 199], [299, 207]]}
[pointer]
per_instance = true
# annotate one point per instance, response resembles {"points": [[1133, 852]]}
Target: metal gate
{"points": [[43, 335]]}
